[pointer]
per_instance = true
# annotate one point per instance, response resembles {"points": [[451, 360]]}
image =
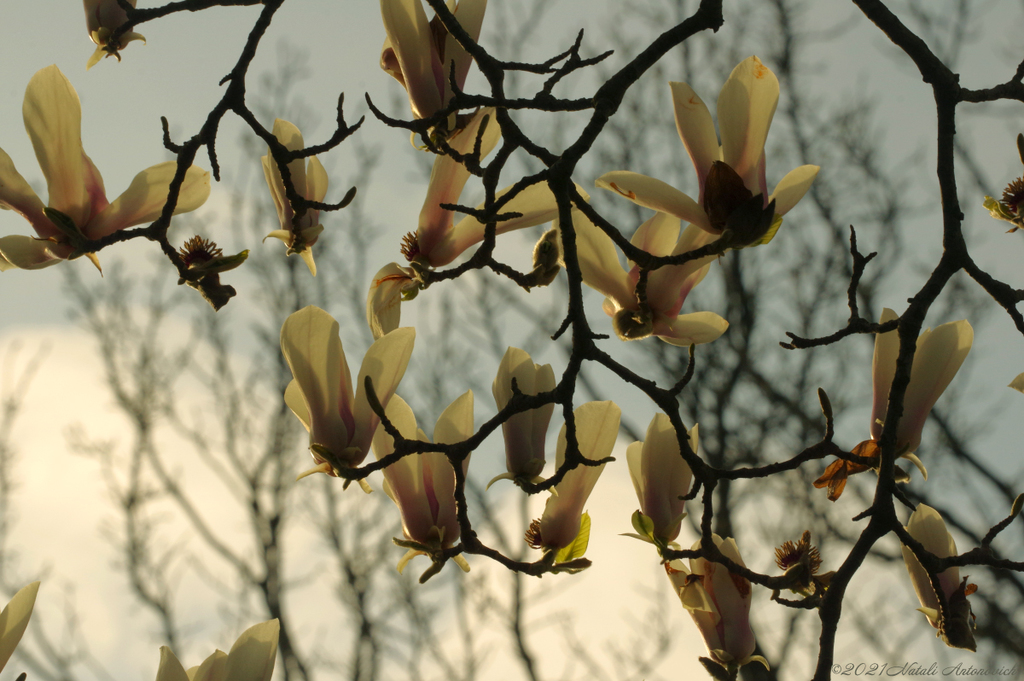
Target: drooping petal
{"points": [[385, 363], [14, 620], [536, 203], [690, 329], [53, 120], [412, 47], [792, 188], [145, 197], [384, 301], [655, 194], [696, 129], [312, 348], [940, 352], [746, 106], [448, 177], [26, 253], [253, 655], [599, 263], [17, 195], [883, 368]]}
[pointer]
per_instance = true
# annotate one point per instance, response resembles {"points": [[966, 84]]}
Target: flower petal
{"points": [[657, 235], [212, 668], [599, 263], [385, 363], [53, 120], [16, 194], [696, 129], [411, 45], [470, 14], [524, 433], [253, 655], [384, 301], [14, 620], [883, 368], [293, 398], [26, 253], [652, 193], [746, 106], [170, 668], [316, 180], [690, 329], [144, 199], [792, 188], [454, 425], [667, 287], [536, 203]]}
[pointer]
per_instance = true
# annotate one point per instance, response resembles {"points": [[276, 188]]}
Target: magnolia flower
{"points": [[526, 431], [421, 54], [340, 425], [14, 620], [423, 485], [1008, 208], [597, 426], [102, 18], [660, 477], [719, 602], [939, 354], [78, 208], [667, 287], [251, 658], [927, 527], [310, 182], [438, 240], [733, 199]]}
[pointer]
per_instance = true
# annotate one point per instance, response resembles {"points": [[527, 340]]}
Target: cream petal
{"points": [[655, 194], [883, 368], [746, 106], [295, 401], [53, 120], [666, 477], [273, 178], [940, 352], [26, 253], [1017, 383], [690, 329], [792, 188], [316, 180], [448, 178], [145, 197], [634, 453], [536, 203], [289, 135], [170, 668], [385, 363], [657, 235], [599, 263], [454, 425], [384, 301], [927, 526], [253, 655], [404, 479], [696, 129], [212, 668], [312, 348], [16, 194], [409, 34], [668, 287], [470, 14], [14, 620]]}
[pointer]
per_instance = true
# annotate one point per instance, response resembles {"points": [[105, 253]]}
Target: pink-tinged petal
{"points": [[212, 668], [14, 620], [690, 329], [384, 301], [599, 262], [792, 188], [170, 668], [696, 129], [470, 14], [144, 200], [94, 190], [746, 106], [17, 195], [26, 253], [883, 368], [657, 235], [53, 120], [667, 287], [655, 194], [597, 426], [385, 363], [524, 433], [312, 348], [940, 352], [731, 595], [454, 425], [411, 47], [447, 179], [664, 477], [403, 480], [253, 655], [536, 203]]}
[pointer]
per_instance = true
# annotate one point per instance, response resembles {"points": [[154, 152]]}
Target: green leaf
{"points": [[1018, 503], [62, 222], [579, 545], [643, 524], [770, 234]]}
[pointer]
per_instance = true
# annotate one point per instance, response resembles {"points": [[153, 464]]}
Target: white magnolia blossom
{"points": [[661, 476], [525, 433]]}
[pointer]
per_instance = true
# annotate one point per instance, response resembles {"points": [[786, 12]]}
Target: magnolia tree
{"points": [[675, 243]]}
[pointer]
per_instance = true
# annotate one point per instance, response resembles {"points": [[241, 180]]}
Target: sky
{"points": [[175, 75]]}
